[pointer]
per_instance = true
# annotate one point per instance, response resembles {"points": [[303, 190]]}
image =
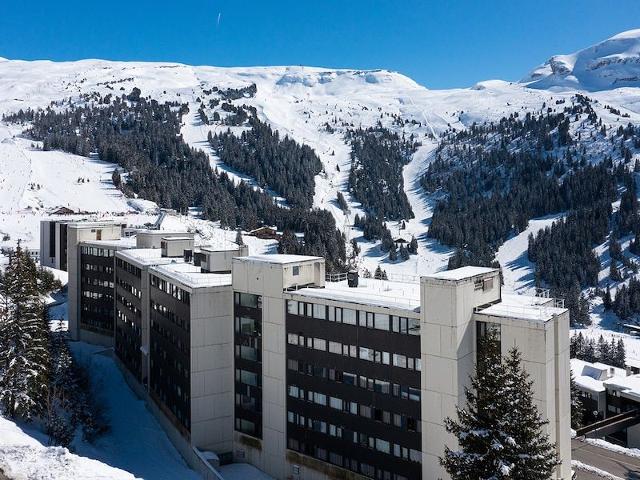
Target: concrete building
{"points": [[333, 381], [262, 359], [174, 332], [54, 242], [606, 392]]}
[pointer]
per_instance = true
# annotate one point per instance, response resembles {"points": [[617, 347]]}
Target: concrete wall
{"points": [[544, 347], [212, 369], [45, 259], [447, 346], [152, 238], [220, 261]]}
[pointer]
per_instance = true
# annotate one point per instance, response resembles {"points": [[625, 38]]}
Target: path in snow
{"points": [[517, 270]]}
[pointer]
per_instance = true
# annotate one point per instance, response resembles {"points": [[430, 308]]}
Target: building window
{"points": [[487, 336], [296, 271]]}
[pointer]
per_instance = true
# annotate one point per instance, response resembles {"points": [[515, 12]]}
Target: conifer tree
{"points": [[577, 408], [499, 431], [239, 240], [413, 246], [23, 339]]}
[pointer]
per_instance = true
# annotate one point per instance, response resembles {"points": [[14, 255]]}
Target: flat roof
{"points": [[278, 258], [128, 242], [92, 224], [192, 276], [629, 386], [222, 246], [461, 273], [593, 376], [148, 231], [145, 256], [183, 238], [371, 292], [523, 307]]}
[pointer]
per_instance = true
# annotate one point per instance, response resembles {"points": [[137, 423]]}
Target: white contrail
{"points": [[219, 17]]}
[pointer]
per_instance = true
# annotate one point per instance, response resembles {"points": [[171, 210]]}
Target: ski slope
{"points": [[298, 102]]}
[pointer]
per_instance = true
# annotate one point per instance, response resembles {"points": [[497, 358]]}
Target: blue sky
{"points": [[439, 44]]}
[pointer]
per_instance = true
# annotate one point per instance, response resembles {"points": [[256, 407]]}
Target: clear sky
{"points": [[440, 44]]}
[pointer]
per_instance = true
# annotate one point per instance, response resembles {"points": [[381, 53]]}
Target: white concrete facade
{"points": [[76, 234], [451, 305]]}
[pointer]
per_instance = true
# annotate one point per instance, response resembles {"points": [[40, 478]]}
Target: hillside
{"points": [[315, 107]]}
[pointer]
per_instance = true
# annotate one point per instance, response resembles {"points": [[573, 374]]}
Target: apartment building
{"points": [[264, 359], [53, 238], [174, 336], [340, 381], [90, 251], [608, 391]]}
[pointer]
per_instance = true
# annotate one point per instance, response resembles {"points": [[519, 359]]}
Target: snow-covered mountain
{"points": [[298, 102], [613, 63]]}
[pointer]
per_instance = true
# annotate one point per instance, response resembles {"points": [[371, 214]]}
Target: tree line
{"points": [[143, 138], [39, 377], [375, 180]]}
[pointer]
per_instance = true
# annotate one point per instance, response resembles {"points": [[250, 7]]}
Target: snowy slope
{"points": [[23, 457], [296, 101], [613, 63]]}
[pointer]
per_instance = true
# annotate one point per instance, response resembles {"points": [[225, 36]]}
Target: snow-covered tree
{"points": [[23, 339], [499, 431], [577, 407]]}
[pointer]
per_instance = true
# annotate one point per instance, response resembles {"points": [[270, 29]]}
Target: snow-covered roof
{"points": [[592, 377], [379, 293], [461, 273], [220, 245], [145, 256], [191, 275], [125, 242], [524, 307], [628, 386], [279, 258]]}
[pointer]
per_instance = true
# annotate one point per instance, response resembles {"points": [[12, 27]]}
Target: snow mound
{"points": [[610, 64], [23, 457]]}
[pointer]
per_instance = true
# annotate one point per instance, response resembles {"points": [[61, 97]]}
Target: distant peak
{"points": [[612, 63]]}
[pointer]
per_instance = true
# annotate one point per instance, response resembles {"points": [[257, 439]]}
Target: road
{"points": [[618, 465]]}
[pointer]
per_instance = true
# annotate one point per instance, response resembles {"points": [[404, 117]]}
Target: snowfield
{"points": [[298, 102], [23, 457]]}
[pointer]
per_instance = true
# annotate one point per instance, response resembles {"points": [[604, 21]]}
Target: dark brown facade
{"points": [[170, 350], [248, 363], [128, 317], [97, 289], [353, 389]]}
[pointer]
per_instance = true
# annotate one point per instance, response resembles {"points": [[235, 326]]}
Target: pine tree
{"points": [[602, 351], [413, 246], [620, 354], [533, 454], [239, 240], [499, 431], [606, 298], [23, 339], [393, 253], [577, 408]]}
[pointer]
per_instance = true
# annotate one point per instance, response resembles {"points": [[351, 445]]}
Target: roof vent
{"points": [[352, 278]]}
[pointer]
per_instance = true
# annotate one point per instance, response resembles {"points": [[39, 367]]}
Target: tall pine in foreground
{"points": [[499, 431], [24, 356]]}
